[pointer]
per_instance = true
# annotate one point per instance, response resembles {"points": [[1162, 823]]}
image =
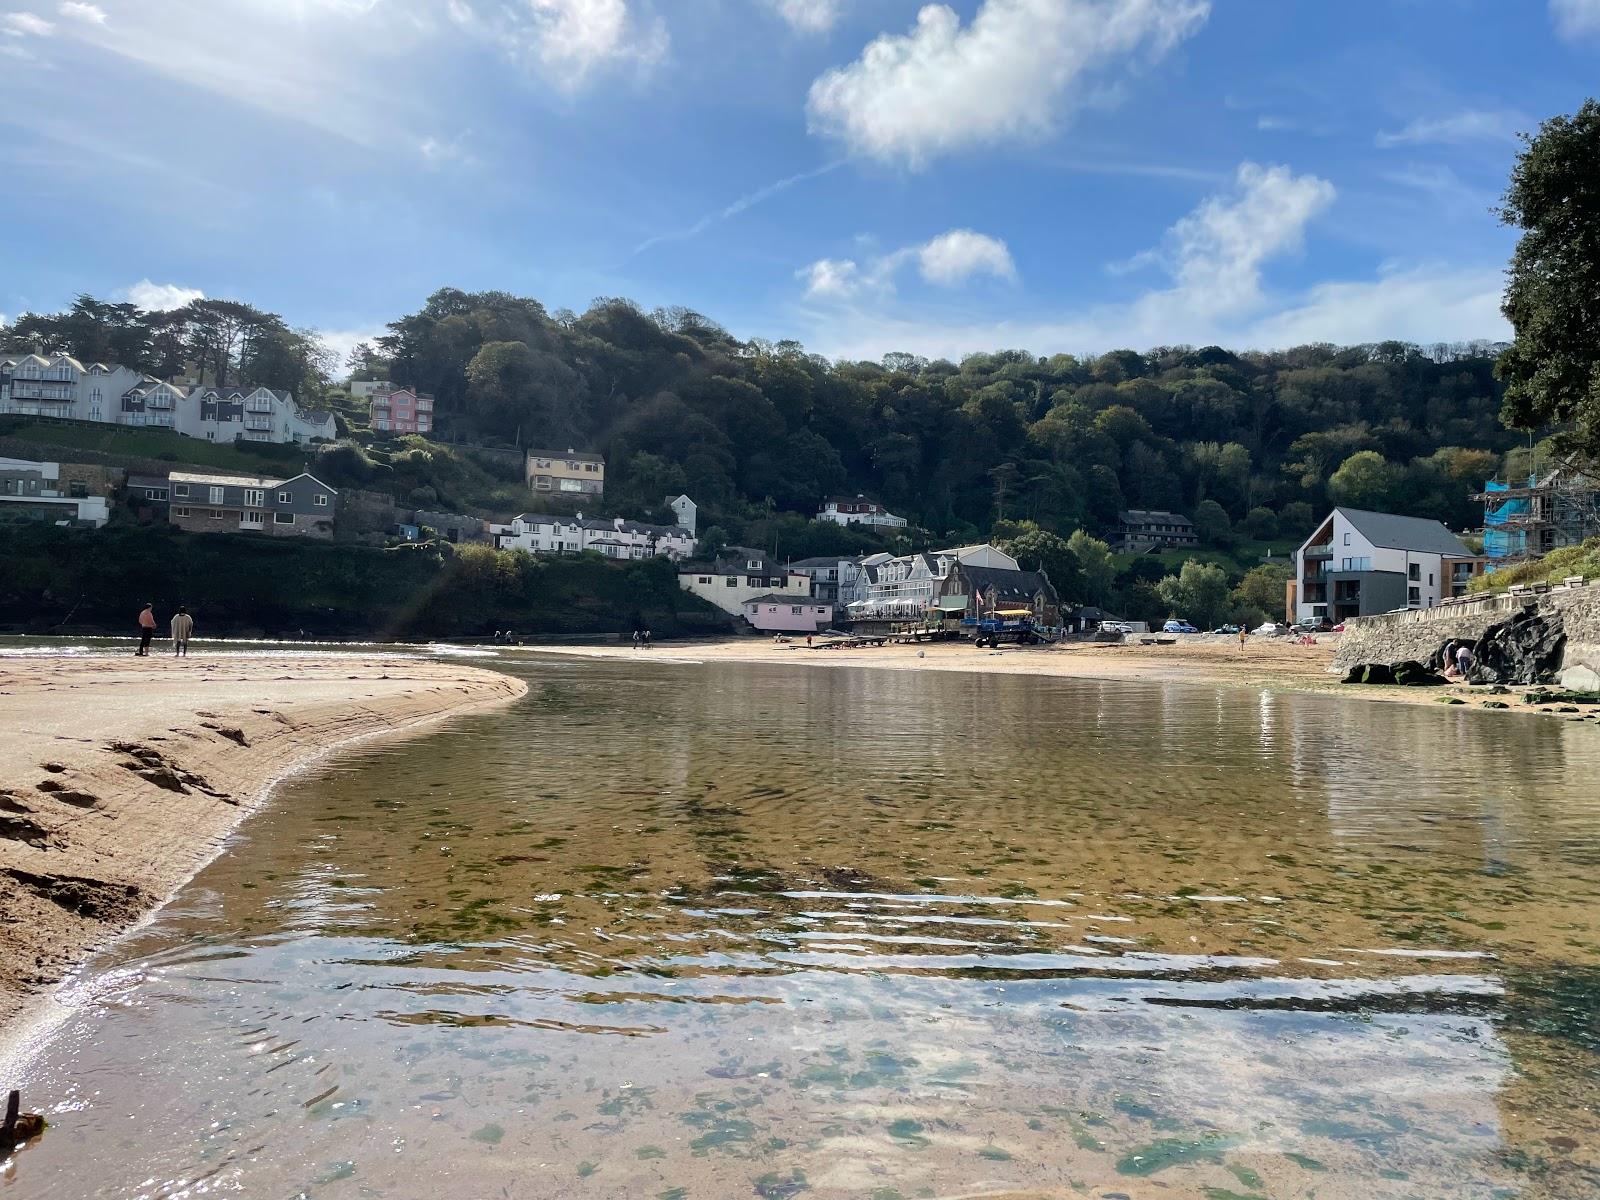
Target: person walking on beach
{"points": [[637, 638], [1243, 633], [147, 630], [182, 627], [1463, 659]]}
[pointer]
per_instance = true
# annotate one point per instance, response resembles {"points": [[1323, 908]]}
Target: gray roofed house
{"points": [[1419, 534], [1357, 563]]}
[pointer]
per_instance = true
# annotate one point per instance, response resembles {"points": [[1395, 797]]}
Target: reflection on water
{"points": [[715, 931]]}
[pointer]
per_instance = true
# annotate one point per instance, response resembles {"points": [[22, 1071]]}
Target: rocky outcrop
{"points": [[1544, 636]]}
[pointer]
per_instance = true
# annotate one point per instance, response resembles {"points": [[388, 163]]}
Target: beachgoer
{"points": [[1243, 634], [147, 629], [1449, 657], [182, 627], [808, 641], [1463, 659], [647, 638], [636, 639]]}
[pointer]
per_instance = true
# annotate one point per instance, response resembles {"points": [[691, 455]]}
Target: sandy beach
{"points": [[120, 776]]}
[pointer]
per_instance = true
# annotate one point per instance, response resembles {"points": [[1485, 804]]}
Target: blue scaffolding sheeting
{"points": [[1503, 535]]}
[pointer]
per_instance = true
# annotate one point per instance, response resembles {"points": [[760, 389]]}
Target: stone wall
{"points": [[1416, 635]]}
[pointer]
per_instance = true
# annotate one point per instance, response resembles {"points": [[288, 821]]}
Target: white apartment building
{"points": [[62, 387], [1358, 563], [614, 537]]}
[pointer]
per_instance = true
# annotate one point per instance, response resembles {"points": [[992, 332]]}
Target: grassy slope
{"points": [[51, 436], [1552, 568]]}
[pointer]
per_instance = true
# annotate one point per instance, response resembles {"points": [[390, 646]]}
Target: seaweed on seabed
{"points": [[1562, 1004]]}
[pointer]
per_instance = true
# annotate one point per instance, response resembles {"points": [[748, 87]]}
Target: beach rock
{"points": [[1376, 673], [1527, 648], [1580, 679], [1415, 674]]}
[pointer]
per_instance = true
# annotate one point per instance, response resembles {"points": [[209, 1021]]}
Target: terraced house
{"points": [[303, 506], [62, 387]]}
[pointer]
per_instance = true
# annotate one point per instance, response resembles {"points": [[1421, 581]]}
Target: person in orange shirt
{"points": [[147, 629]]}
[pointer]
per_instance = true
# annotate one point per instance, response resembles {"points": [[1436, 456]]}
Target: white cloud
{"points": [[342, 341], [1456, 129], [953, 258], [570, 38], [832, 278], [160, 297], [1009, 74], [91, 14], [1576, 18], [948, 260], [808, 16], [1215, 259], [25, 24]]}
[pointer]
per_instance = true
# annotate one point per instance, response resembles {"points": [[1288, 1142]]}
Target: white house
{"points": [[741, 574], [1358, 563], [35, 386], [886, 588], [786, 614], [614, 537], [858, 510]]}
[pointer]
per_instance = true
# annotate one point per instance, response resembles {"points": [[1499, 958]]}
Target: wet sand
{"points": [[120, 777], [1269, 664]]}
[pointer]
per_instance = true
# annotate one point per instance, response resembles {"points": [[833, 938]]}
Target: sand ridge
{"points": [[120, 776]]}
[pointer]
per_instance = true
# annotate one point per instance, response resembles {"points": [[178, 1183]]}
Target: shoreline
{"points": [[1266, 664], [120, 778]]}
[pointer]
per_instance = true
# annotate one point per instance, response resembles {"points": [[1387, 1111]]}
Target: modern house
{"points": [[62, 387], [740, 574], [614, 537], [786, 614], [53, 492], [1143, 530], [402, 411], [858, 510], [905, 587], [566, 473], [1358, 563], [303, 506]]}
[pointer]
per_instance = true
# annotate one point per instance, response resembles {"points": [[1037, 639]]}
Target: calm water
{"points": [[679, 931]]}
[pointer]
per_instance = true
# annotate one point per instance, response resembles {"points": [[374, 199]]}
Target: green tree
{"points": [[1365, 480], [1212, 524], [1260, 593], [1037, 549], [1096, 566], [1198, 593], [1552, 369]]}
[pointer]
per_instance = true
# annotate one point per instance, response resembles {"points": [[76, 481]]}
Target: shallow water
{"points": [[667, 930]]}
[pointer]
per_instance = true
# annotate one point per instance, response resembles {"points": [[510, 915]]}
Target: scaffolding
{"points": [[1527, 521]]}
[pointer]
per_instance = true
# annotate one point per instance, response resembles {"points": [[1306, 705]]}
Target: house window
{"points": [[282, 518], [1347, 539], [216, 514], [285, 498], [797, 610], [703, 579], [155, 493], [1414, 571], [733, 581], [252, 518], [1413, 595], [321, 501], [180, 512], [255, 498], [181, 490]]}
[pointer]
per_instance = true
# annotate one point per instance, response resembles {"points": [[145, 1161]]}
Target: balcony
{"points": [[1314, 553]]}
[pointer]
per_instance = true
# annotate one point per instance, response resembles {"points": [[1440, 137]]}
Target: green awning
{"points": [[952, 604]]}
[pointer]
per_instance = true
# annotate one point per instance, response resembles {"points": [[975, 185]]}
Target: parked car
{"points": [[1228, 629], [1121, 627], [1270, 629], [1178, 627]]}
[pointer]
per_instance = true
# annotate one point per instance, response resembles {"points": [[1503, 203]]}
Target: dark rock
{"points": [[1527, 648], [1495, 704], [1376, 673], [1415, 674]]}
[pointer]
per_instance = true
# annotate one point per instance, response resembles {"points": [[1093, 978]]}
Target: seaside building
{"points": [[786, 614], [302, 506], [63, 388], [1358, 563], [566, 473], [1545, 513], [402, 411], [824, 573], [1143, 530], [614, 537], [740, 574], [858, 510], [979, 592], [885, 587], [58, 493]]}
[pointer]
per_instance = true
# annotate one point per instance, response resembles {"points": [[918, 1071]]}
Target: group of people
{"points": [[641, 637], [181, 628], [1457, 660]]}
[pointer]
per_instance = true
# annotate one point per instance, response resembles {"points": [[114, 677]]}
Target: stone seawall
{"points": [[1418, 634]]}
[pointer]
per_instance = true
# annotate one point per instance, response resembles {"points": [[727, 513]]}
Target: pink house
{"points": [[402, 411], [791, 614]]}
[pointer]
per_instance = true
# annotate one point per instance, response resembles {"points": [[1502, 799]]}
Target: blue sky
{"points": [[862, 175]]}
